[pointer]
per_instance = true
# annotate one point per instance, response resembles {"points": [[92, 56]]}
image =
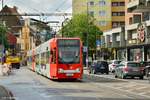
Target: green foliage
{"points": [[82, 26], [3, 37]]}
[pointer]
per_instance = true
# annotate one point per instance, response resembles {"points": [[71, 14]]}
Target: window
{"points": [[91, 13], [114, 13], [114, 4], [118, 24], [114, 24], [102, 13], [102, 3], [118, 3], [121, 13], [47, 57], [102, 23], [53, 56], [91, 3], [118, 13], [122, 3], [118, 38]]}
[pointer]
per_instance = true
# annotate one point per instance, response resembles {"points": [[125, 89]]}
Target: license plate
{"points": [[102, 68], [135, 70], [69, 74]]}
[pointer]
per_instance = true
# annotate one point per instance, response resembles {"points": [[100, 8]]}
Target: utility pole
{"points": [[2, 36], [87, 56]]}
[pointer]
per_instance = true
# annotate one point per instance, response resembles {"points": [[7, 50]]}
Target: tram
{"points": [[58, 58]]}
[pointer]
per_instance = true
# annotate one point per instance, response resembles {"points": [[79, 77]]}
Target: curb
{"points": [[105, 78], [5, 94]]}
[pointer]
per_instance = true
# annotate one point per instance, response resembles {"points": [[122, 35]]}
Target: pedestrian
{"points": [[6, 69]]}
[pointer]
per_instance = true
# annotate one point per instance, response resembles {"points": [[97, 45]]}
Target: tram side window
{"points": [[47, 57], [42, 58], [53, 56]]}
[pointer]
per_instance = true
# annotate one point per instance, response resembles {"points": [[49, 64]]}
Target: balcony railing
{"points": [[138, 6]]}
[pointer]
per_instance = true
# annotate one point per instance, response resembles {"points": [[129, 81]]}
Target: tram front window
{"points": [[69, 51]]}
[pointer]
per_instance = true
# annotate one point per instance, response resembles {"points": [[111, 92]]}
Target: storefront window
{"points": [[148, 54], [121, 54], [136, 54]]}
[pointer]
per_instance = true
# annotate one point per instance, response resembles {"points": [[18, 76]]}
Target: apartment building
{"points": [[132, 41], [108, 13]]}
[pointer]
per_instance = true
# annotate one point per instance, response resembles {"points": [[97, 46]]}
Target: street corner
{"points": [[6, 94]]}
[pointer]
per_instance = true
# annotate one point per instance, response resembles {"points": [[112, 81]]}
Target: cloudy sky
{"points": [[41, 6]]}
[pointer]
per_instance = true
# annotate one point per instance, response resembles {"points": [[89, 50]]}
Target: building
{"points": [[132, 42], [13, 23], [138, 32], [108, 13]]}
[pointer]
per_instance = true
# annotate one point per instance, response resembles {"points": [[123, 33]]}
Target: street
{"points": [[27, 85]]}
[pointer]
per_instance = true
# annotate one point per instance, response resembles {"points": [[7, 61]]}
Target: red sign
{"points": [[141, 32]]}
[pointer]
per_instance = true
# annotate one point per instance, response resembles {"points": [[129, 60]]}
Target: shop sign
{"points": [[141, 32]]}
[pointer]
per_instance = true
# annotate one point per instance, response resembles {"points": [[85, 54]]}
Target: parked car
{"points": [[149, 76], [145, 67], [113, 64], [129, 68], [99, 67]]}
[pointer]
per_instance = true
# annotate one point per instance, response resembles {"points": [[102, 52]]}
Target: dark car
{"points": [[146, 67], [129, 68], [99, 67]]}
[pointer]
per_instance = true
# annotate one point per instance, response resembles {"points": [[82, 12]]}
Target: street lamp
{"points": [[63, 25], [87, 55]]}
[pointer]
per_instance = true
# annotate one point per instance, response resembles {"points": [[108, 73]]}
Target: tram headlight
{"points": [[78, 70], [60, 70]]}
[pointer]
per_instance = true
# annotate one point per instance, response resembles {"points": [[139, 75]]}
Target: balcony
{"points": [[116, 44], [138, 6], [132, 26]]}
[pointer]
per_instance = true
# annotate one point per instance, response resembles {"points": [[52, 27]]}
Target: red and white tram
{"points": [[58, 58]]}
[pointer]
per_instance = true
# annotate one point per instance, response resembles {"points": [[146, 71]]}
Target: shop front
{"points": [[136, 54], [121, 54]]}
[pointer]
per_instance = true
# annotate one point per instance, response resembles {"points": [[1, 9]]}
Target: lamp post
{"points": [[2, 36], [87, 56], [65, 19]]}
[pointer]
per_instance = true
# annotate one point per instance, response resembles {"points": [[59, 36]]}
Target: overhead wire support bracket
{"points": [[35, 14]]}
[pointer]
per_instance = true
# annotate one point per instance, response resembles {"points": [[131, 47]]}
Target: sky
{"points": [[42, 6]]}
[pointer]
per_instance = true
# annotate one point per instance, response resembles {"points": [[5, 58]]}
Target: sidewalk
{"points": [[5, 94]]}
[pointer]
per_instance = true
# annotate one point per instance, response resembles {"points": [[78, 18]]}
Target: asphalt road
{"points": [[27, 85]]}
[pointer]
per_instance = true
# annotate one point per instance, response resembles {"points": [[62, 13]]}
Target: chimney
{"points": [[15, 8]]}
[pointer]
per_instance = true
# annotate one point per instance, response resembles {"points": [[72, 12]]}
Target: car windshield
{"points": [[117, 62], [102, 63], [133, 64]]}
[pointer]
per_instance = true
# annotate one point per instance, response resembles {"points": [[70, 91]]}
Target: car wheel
{"points": [[107, 73], [141, 77], [116, 76], [132, 77]]}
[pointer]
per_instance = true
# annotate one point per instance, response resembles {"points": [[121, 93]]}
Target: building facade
{"points": [[108, 13], [133, 39]]}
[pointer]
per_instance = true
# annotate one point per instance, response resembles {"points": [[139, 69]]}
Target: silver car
{"points": [[129, 68], [113, 64]]}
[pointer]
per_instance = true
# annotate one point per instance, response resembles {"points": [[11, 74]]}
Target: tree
{"points": [[82, 26], [3, 35]]}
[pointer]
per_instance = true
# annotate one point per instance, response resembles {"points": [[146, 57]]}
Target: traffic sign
{"points": [[85, 49]]}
